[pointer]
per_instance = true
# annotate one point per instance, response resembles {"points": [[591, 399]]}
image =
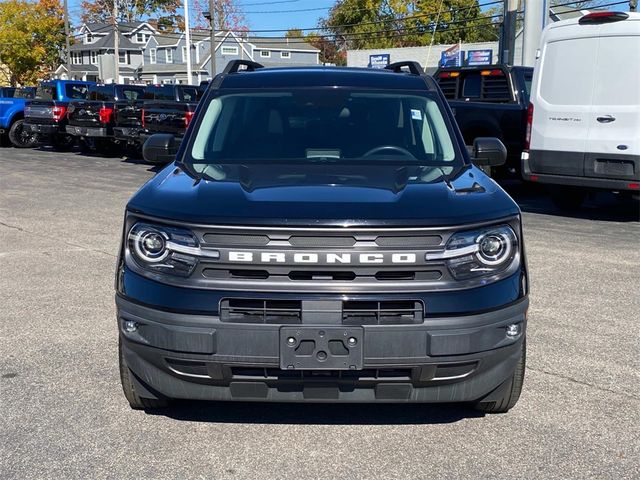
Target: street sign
{"points": [[480, 57], [379, 61]]}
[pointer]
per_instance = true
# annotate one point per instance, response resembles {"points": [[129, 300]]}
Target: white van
{"points": [[584, 116]]}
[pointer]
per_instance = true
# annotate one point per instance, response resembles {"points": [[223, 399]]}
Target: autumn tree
{"points": [[400, 23], [329, 51], [128, 10], [31, 39]]}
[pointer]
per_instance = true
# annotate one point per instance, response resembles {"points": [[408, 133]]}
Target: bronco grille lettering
{"points": [[322, 258]]}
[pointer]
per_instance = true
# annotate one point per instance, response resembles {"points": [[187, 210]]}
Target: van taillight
{"points": [[602, 17], [142, 117], [188, 116], [58, 113], [105, 114], [527, 138]]}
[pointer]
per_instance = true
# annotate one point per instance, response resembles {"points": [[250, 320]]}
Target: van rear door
{"points": [[562, 103], [613, 141]]}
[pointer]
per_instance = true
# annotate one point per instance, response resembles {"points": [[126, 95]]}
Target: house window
{"points": [[285, 54], [184, 53], [229, 51], [76, 58], [88, 38], [168, 55], [265, 54], [123, 57], [94, 57], [152, 56], [140, 37]]}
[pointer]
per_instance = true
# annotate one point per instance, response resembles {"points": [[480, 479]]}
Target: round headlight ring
{"points": [[150, 245], [494, 248]]}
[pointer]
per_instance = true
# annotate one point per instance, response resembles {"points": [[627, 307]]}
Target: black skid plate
{"points": [[321, 348]]}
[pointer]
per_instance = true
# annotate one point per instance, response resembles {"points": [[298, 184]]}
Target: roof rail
{"points": [[414, 67], [234, 66]]}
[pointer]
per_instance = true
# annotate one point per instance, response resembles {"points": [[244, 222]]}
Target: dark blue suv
{"points": [[322, 235]]}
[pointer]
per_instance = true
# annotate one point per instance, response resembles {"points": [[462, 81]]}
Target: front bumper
{"points": [[446, 359], [87, 131]]}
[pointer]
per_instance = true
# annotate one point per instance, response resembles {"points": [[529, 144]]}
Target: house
{"points": [[165, 55], [149, 56], [92, 57]]}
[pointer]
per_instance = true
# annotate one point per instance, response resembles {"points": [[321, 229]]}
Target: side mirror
{"points": [[160, 148], [489, 152]]}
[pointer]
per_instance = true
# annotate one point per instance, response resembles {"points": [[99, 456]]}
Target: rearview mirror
{"points": [[489, 152], [160, 148]]}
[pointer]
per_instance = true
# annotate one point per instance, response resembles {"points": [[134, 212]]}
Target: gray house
{"points": [[92, 57], [165, 55], [148, 56]]}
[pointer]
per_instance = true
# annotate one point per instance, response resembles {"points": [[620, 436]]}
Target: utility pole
{"points": [[116, 43], [188, 40], [535, 19], [212, 19], [66, 34], [508, 37]]}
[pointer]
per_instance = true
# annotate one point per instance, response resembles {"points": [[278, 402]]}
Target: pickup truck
{"points": [[168, 109], [46, 114], [12, 104], [490, 101], [92, 120]]}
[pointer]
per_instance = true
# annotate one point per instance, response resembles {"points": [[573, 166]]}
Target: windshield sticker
{"points": [[416, 114]]}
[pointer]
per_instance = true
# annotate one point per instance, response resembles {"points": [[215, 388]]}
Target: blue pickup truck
{"points": [[46, 114], [12, 104]]}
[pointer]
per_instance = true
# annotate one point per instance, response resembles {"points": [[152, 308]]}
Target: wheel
{"points": [[567, 198], [513, 390], [19, 137], [128, 386], [63, 142]]}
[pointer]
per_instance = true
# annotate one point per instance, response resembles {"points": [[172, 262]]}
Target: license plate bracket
{"points": [[321, 348]]}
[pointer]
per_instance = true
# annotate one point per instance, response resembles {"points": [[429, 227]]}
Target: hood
{"points": [[325, 195]]}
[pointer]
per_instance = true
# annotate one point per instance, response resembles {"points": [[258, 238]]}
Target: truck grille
{"points": [[292, 312], [316, 260]]}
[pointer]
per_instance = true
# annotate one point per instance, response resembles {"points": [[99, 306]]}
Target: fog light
{"points": [[130, 326], [514, 330]]}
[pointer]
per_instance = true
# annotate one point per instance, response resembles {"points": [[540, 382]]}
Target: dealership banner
{"points": [[452, 56], [480, 57], [379, 61]]}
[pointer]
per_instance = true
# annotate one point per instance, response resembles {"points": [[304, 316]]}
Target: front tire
{"points": [[512, 392], [128, 386], [19, 137], [63, 142]]}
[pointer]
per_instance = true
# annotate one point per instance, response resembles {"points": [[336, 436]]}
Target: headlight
{"points": [[165, 249], [482, 252]]}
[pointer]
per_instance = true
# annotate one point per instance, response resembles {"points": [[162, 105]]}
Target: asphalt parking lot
{"points": [[63, 414]]}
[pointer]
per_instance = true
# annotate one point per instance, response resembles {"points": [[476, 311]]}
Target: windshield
{"points": [[338, 126]]}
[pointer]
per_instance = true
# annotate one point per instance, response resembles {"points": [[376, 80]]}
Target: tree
{"points": [[400, 23], [31, 39], [329, 50], [128, 10]]}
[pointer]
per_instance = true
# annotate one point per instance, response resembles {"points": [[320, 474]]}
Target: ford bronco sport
{"points": [[322, 235]]}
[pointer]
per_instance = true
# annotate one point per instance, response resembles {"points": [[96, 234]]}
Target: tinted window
{"points": [[76, 91], [46, 92], [159, 92], [130, 93], [323, 126], [25, 92], [100, 93], [8, 92], [189, 94], [472, 86]]}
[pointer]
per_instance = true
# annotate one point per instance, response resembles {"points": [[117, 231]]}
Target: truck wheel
{"points": [[107, 147], [63, 142], [19, 137], [126, 378], [567, 198], [512, 392]]}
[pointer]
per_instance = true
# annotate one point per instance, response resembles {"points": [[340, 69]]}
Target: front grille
{"points": [[348, 312], [385, 374], [239, 310], [381, 313]]}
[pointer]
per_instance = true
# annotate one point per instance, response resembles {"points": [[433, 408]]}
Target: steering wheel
{"points": [[393, 148]]}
